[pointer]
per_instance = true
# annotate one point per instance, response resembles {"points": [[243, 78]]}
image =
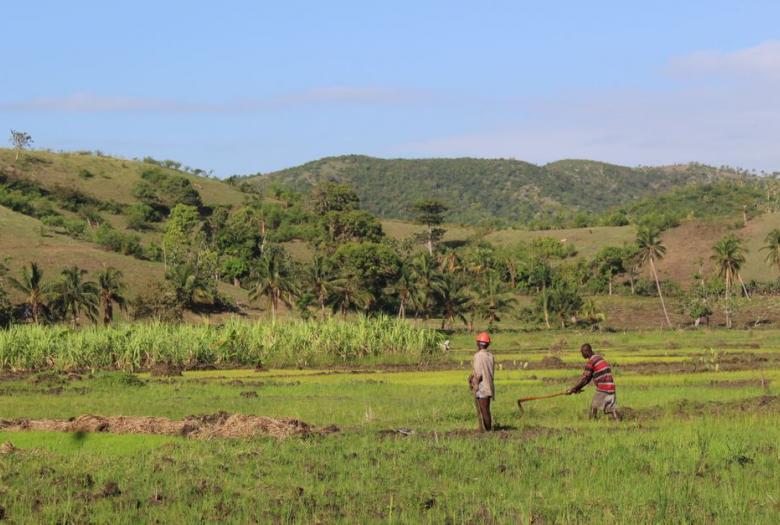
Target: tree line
{"points": [[356, 267]]}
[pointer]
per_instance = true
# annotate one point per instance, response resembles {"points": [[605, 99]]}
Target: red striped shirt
{"points": [[597, 369]]}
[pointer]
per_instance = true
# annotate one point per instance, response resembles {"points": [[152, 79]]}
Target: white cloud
{"points": [[93, 103], [763, 60], [734, 123]]}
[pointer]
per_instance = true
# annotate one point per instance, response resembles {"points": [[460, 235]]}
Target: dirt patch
{"points": [[551, 361], [166, 370], [219, 425], [696, 409]]}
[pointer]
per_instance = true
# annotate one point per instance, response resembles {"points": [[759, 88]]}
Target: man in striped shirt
{"points": [[597, 369]]}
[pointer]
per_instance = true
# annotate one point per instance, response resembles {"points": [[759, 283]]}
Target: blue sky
{"points": [[241, 87]]}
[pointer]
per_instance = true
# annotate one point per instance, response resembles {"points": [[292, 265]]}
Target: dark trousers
{"points": [[483, 413]]}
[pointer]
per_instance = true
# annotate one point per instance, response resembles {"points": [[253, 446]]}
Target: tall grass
{"points": [[236, 343]]}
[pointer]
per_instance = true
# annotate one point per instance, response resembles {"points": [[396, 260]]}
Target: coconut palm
{"points": [[35, 291], [539, 276], [453, 299], [320, 281], [72, 295], [190, 286], [426, 279], [112, 290], [772, 248], [493, 298], [403, 288], [652, 249], [728, 254], [273, 279], [349, 294]]}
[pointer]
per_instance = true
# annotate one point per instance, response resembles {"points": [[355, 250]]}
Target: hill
{"points": [[499, 191]]}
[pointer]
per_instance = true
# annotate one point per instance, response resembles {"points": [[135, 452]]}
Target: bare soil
{"points": [[219, 425]]}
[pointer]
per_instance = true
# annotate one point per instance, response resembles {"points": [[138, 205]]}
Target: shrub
{"points": [[126, 244]]}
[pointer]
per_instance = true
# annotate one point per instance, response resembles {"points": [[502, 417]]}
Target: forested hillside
{"points": [[497, 191]]}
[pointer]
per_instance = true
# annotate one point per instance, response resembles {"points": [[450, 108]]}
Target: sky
{"points": [[239, 87]]}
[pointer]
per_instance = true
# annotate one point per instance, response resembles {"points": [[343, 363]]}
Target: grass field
{"points": [[112, 178], [698, 443]]}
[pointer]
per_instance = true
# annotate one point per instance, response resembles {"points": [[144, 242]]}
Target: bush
{"points": [[141, 216], [126, 244]]}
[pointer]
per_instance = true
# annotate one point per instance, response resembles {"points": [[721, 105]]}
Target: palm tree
{"points": [[112, 290], [729, 256], [453, 299], [72, 295], [403, 288], [540, 277], [493, 298], [349, 294], [320, 281], [273, 279], [652, 249], [35, 291], [426, 278], [189, 285], [772, 247]]}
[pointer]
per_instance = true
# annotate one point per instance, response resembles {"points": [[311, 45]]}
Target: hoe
{"points": [[534, 398]]}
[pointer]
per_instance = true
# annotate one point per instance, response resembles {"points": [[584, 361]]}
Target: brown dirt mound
{"points": [[219, 425], [552, 361]]}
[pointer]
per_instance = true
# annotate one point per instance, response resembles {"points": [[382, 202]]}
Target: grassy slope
{"points": [[693, 241], [113, 178], [22, 242]]}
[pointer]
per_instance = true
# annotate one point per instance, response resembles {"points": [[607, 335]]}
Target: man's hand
{"points": [[572, 391]]}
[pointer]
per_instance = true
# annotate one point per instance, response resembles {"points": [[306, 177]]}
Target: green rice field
{"points": [[396, 441]]}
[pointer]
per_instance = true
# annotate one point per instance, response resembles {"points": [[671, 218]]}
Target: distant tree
{"points": [[320, 280], [539, 277], [631, 264], [334, 196], [348, 294], [375, 265], [493, 298], [609, 262], [273, 278], [189, 285], [772, 248], [112, 290], [427, 278], [652, 249], [403, 289], [564, 301], [32, 286], [163, 191], [72, 295], [352, 226], [180, 238], [430, 213], [453, 299], [729, 256], [20, 140]]}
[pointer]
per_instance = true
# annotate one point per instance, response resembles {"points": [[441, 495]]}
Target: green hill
{"points": [[500, 191]]}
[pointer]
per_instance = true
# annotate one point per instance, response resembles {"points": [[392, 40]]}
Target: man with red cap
{"points": [[481, 381]]}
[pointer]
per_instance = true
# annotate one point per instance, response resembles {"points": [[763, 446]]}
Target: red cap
{"points": [[484, 337]]}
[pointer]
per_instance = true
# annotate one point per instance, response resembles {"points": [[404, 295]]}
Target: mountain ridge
{"points": [[507, 191]]}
